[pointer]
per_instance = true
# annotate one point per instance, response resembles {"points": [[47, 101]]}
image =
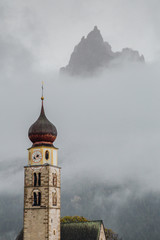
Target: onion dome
{"points": [[42, 132]]}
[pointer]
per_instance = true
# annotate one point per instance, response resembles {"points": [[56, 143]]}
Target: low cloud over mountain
{"points": [[93, 54]]}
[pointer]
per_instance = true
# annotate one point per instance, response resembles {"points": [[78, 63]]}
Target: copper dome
{"points": [[42, 132]]}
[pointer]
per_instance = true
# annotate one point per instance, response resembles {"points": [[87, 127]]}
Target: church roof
{"points": [[77, 231], [81, 230]]}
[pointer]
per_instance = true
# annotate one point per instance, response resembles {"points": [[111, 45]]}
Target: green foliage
{"points": [[68, 219]]}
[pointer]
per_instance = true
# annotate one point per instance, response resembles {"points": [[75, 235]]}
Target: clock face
{"points": [[37, 156]]}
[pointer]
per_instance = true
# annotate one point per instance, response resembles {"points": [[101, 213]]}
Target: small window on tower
{"points": [[47, 155], [54, 198], [34, 199], [39, 179], [54, 179], [35, 179], [39, 199]]}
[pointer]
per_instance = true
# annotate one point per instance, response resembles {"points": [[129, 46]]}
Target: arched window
{"points": [[35, 179], [36, 198], [54, 179], [54, 198], [47, 155], [39, 179], [39, 199]]}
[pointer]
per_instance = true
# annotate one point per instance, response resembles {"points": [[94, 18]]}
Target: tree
{"points": [[68, 219]]}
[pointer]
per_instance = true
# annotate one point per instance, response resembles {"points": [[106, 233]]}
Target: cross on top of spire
{"points": [[42, 98]]}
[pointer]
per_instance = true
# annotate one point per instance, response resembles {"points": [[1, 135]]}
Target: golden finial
{"points": [[42, 98]]}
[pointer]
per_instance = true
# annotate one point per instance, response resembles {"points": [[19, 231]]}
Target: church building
{"points": [[42, 195]]}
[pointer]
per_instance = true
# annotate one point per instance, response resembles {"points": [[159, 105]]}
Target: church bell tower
{"points": [[42, 183]]}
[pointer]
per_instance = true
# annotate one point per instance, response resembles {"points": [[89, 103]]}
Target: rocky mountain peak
{"points": [[95, 35], [93, 53]]}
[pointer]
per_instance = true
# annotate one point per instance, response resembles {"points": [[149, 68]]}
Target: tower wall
{"points": [[42, 222]]}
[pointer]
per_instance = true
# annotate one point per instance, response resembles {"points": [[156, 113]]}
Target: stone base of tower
{"points": [[35, 224], [42, 224], [42, 203]]}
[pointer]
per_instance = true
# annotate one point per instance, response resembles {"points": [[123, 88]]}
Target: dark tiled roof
{"points": [[77, 231], [81, 230]]}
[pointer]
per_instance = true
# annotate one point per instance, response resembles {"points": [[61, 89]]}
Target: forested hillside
{"points": [[132, 217]]}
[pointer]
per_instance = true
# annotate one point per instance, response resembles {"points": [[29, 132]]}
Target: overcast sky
{"points": [[50, 29], [108, 125]]}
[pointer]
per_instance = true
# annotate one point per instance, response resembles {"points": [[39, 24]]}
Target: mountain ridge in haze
{"points": [[125, 208], [93, 53], [136, 217]]}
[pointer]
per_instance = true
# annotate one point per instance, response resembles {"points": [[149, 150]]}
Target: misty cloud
{"points": [[108, 125]]}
